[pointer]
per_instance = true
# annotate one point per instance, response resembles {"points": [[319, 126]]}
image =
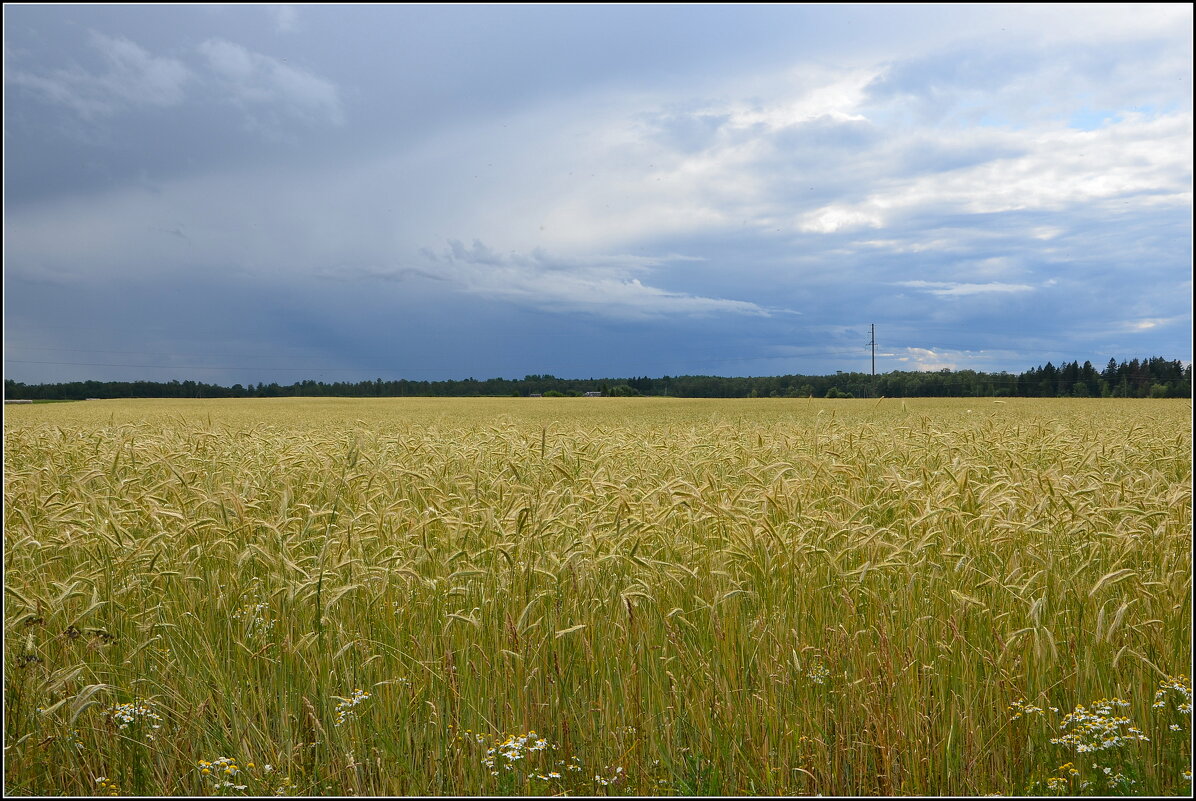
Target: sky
{"points": [[273, 193]]}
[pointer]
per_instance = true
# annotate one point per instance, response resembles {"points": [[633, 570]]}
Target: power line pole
{"points": [[873, 344]]}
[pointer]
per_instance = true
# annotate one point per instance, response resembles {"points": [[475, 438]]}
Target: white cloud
{"points": [[927, 360], [805, 157], [800, 95], [256, 81], [1147, 323], [924, 246], [1136, 160], [131, 77], [602, 285], [1046, 232], [835, 218], [614, 169], [952, 288]]}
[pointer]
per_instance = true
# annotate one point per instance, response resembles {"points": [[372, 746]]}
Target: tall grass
{"points": [[622, 596]]}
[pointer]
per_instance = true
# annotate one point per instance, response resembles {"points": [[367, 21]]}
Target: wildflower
{"points": [[1021, 708], [256, 623], [219, 770], [76, 740], [1177, 684], [345, 709], [817, 673], [512, 748], [1098, 729], [128, 714]]}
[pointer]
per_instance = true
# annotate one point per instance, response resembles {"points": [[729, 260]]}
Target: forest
{"points": [[1154, 377]]}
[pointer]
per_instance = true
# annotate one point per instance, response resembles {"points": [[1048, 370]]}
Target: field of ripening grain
{"points": [[598, 596]]}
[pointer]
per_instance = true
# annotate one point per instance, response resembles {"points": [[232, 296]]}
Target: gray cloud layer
{"points": [[996, 187]]}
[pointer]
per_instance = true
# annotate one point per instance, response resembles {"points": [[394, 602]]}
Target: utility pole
{"points": [[873, 344]]}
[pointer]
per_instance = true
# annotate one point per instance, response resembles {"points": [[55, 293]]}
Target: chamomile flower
{"points": [[345, 710], [1020, 708], [1098, 729], [1177, 684], [126, 715], [817, 673]]}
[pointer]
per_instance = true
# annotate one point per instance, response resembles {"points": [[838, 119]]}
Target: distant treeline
{"points": [[1147, 378]]}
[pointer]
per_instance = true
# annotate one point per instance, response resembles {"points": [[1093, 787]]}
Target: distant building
{"points": [[535, 395], [593, 395], [6, 400]]}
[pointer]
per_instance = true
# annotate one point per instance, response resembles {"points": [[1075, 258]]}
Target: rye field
{"points": [[611, 596]]}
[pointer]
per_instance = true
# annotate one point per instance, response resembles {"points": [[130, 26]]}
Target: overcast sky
{"points": [[274, 193]]}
